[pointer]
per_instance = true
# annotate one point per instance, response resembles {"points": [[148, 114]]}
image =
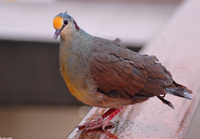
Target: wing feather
{"points": [[119, 72]]}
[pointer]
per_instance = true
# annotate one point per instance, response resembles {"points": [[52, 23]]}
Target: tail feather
{"points": [[166, 102], [179, 91]]}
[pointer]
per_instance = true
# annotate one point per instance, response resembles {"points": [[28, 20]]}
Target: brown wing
{"points": [[158, 77], [119, 72]]}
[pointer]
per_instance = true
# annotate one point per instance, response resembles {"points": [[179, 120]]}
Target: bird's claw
{"points": [[90, 124], [96, 125]]}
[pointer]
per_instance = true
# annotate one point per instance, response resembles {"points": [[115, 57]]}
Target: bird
{"points": [[104, 73]]}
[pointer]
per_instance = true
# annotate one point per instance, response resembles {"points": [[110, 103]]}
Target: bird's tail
{"points": [[166, 102], [180, 91], [177, 90]]}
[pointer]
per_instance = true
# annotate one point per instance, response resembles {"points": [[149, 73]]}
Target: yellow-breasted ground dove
{"points": [[104, 73]]}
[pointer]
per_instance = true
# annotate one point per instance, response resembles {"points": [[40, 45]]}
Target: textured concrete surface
{"points": [[193, 131]]}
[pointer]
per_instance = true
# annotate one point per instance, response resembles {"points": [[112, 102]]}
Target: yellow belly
{"points": [[75, 88]]}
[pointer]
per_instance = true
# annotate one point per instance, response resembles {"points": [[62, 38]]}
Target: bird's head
{"points": [[63, 23]]}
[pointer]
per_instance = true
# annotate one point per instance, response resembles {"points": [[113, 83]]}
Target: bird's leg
{"points": [[98, 121], [111, 116], [103, 122], [106, 114]]}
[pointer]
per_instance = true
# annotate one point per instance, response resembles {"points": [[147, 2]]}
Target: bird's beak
{"points": [[57, 33]]}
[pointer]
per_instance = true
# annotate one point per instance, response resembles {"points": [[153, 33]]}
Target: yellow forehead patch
{"points": [[58, 22]]}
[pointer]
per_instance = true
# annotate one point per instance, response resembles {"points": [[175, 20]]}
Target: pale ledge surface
{"points": [[133, 23]]}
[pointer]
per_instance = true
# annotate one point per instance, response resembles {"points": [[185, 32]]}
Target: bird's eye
{"points": [[65, 21]]}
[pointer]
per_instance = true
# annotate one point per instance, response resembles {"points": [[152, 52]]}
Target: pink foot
{"points": [[90, 124], [103, 122], [96, 125]]}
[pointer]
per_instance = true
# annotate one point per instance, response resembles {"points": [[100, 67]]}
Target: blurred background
{"points": [[34, 100]]}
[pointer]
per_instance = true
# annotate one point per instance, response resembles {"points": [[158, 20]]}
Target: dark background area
{"points": [[30, 74]]}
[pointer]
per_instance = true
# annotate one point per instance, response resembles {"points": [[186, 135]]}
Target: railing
{"points": [[178, 48]]}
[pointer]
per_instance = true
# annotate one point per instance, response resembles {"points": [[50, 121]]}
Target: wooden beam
{"points": [[178, 48]]}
